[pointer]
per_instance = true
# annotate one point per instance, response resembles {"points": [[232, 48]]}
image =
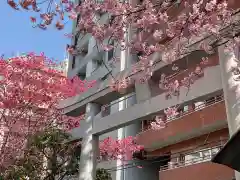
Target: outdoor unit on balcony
{"points": [[141, 155]]}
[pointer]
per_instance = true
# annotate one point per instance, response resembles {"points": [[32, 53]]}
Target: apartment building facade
{"points": [[207, 114]]}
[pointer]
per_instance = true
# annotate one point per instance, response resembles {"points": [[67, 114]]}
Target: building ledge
{"points": [[199, 171], [199, 122]]}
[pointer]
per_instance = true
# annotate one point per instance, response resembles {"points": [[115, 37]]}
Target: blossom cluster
{"points": [[123, 149], [30, 90], [172, 29]]}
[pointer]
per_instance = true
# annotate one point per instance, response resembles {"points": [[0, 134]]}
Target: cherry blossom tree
{"points": [[123, 149], [30, 90], [167, 29], [50, 155], [171, 29]]}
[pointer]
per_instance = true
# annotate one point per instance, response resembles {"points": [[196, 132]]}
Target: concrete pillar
{"points": [[92, 65], [143, 91], [88, 161], [231, 95], [127, 59], [90, 148]]}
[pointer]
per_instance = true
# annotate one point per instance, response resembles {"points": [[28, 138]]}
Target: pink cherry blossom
{"points": [[158, 124], [31, 88], [123, 149]]}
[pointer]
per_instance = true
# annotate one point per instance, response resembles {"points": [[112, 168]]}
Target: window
{"points": [[139, 54], [206, 155], [106, 110], [201, 155], [73, 62], [185, 109], [82, 76], [215, 150], [193, 157], [182, 158], [219, 97], [180, 110], [199, 105], [110, 53], [210, 101]]}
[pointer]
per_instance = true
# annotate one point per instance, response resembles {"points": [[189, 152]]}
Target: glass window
{"points": [[181, 158], [185, 109], [199, 105], [110, 53], [192, 158], [215, 150], [206, 154]]}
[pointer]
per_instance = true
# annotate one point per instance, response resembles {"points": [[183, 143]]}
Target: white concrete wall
{"points": [[117, 106], [231, 91]]}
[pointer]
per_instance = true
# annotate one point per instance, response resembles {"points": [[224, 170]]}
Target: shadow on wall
{"points": [[146, 169]]}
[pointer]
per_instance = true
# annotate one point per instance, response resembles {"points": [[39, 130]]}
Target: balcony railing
{"points": [[106, 109], [176, 163], [205, 104]]}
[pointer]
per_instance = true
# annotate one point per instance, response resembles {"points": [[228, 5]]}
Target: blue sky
{"points": [[17, 35]]}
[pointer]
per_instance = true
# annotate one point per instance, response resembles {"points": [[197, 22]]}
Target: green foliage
{"points": [[52, 149], [103, 174], [48, 154]]}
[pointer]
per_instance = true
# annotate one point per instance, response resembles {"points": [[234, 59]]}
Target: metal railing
{"points": [[176, 163], [205, 104], [105, 109]]}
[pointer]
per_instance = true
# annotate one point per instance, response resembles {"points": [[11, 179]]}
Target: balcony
{"points": [[83, 62], [207, 117], [209, 84], [197, 167], [113, 107]]}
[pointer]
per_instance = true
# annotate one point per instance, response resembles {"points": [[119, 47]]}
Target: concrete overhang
{"points": [[100, 72], [83, 40], [210, 83], [79, 132], [83, 62], [218, 125], [101, 94]]}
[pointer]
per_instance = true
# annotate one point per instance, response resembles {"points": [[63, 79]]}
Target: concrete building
{"points": [[208, 112]]}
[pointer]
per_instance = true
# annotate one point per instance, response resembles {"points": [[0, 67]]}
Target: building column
{"points": [[91, 65], [143, 91], [90, 147], [88, 159], [231, 95]]}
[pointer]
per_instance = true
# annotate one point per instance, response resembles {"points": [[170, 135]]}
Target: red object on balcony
{"points": [[200, 171], [211, 117]]}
